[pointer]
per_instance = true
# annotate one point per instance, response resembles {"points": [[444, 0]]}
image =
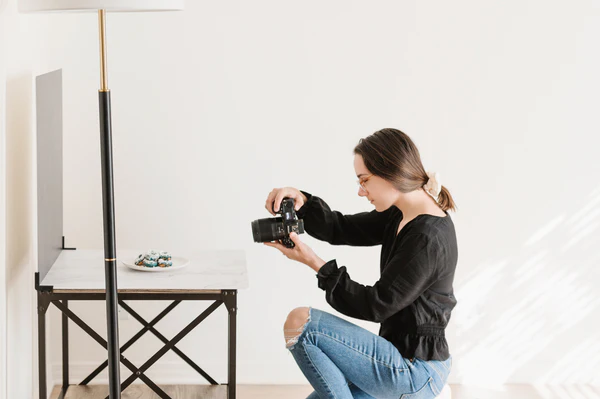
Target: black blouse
{"points": [[413, 298]]}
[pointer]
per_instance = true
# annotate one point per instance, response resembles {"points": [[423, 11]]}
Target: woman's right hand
{"points": [[278, 194]]}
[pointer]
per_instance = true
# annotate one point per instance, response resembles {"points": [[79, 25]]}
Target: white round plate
{"points": [[178, 263]]}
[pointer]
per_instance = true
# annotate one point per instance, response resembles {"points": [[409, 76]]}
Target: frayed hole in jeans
{"points": [[292, 335]]}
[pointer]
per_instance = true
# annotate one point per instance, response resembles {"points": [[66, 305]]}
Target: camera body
{"points": [[279, 228]]}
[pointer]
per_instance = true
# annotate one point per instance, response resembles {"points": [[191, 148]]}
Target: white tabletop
{"points": [[83, 270]]}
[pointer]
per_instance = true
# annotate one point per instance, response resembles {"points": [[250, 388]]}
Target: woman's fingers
{"points": [[295, 238], [270, 199], [281, 194], [278, 194]]}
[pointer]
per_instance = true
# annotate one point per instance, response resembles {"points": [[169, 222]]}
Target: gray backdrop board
{"points": [[49, 169]]}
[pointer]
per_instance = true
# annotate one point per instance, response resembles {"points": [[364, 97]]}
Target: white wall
{"points": [[240, 97], [21, 59], [17, 133], [3, 347], [17, 262]]}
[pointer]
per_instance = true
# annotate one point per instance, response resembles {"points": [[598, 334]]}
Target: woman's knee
{"points": [[297, 318], [294, 324]]}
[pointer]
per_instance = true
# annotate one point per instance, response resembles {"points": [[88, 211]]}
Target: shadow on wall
{"points": [[20, 265], [19, 178], [530, 317]]}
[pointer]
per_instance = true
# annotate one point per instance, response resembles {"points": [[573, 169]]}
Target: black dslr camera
{"points": [[279, 228]]}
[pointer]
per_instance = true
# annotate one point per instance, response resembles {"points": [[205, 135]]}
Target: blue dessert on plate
{"points": [[153, 258]]}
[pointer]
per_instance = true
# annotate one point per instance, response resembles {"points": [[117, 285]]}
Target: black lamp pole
{"points": [[108, 206]]}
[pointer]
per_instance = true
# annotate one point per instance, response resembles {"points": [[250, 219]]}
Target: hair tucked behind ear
{"points": [[392, 155]]}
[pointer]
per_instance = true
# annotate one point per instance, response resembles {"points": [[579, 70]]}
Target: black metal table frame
{"points": [[46, 295]]}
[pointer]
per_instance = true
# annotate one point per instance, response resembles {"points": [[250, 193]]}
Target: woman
{"points": [[413, 298]]}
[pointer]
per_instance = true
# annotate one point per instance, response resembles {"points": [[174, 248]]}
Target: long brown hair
{"points": [[392, 155]]}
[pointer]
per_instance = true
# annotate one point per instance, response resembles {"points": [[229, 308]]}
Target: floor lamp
{"points": [[110, 255]]}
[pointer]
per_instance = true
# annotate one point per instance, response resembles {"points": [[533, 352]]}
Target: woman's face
{"points": [[378, 191]]}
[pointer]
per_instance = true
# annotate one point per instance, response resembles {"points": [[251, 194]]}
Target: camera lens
{"points": [[268, 229]]}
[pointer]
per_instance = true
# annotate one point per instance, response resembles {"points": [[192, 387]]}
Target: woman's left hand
{"points": [[301, 252]]}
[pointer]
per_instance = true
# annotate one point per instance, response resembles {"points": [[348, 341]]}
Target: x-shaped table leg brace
{"points": [[139, 372], [104, 344], [162, 314], [150, 327]]}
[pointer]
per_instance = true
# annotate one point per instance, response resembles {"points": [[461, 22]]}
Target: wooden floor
{"points": [[302, 391]]}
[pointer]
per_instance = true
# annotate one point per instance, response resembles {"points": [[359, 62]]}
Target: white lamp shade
{"points": [[95, 5]]}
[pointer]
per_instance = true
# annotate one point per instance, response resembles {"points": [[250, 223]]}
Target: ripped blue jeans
{"points": [[344, 361]]}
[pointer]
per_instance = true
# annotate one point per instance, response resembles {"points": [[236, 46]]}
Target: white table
{"points": [[79, 275], [83, 271]]}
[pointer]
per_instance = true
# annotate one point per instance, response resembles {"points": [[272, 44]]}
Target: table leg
{"points": [[42, 307], [65, 347]]}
